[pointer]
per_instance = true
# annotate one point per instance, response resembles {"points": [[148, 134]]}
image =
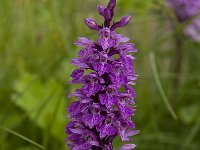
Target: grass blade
{"points": [[22, 137], [159, 85]]}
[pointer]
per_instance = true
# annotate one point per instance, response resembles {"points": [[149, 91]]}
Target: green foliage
{"points": [[43, 102], [36, 45]]}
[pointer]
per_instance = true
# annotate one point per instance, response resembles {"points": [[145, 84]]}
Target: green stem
{"points": [[160, 87], [177, 62], [22, 137]]}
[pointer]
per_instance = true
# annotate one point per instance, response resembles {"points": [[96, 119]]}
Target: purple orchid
{"points": [[105, 102], [185, 10]]}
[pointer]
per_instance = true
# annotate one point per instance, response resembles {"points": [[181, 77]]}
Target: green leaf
{"points": [[39, 100]]}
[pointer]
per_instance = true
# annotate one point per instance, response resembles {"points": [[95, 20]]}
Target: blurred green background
{"points": [[36, 45]]}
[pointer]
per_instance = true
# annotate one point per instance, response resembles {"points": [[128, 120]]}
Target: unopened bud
{"points": [[91, 24], [111, 4], [107, 14], [123, 22], [101, 10]]}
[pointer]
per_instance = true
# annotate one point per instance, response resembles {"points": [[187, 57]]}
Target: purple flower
{"points": [[185, 10], [76, 74], [107, 128], [105, 100], [101, 66], [80, 138], [91, 116], [106, 38], [124, 132], [84, 42], [109, 98]]}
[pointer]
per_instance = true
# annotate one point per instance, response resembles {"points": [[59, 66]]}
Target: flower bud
{"points": [[101, 10], [123, 22], [91, 24], [107, 14], [111, 4]]}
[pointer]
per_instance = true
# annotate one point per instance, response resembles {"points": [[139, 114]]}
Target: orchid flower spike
{"points": [[102, 111]]}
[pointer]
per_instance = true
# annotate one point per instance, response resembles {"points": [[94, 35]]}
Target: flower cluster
{"points": [[188, 9], [105, 102]]}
